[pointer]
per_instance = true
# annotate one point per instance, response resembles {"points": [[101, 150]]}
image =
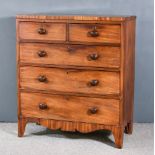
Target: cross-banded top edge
{"points": [[83, 18]]}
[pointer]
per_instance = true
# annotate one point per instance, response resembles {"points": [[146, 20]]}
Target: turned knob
{"points": [[93, 110], [42, 31], [42, 78], [93, 56], [42, 53], [43, 106], [93, 33], [94, 82]]}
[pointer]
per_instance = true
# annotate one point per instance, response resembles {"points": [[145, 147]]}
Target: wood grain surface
{"points": [[69, 80], [129, 74], [106, 33], [54, 31], [70, 108], [73, 55], [76, 73], [77, 18]]}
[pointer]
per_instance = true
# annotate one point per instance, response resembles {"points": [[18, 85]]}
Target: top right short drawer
{"points": [[97, 33]]}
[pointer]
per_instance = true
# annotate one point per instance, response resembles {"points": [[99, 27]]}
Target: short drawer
{"points": [[42, 31], [75, 55], [101, 33], [68, 80], [71, 108]]}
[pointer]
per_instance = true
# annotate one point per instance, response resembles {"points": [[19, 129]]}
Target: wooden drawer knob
{"points": [[42, 31], [42, 78], [93, 110], [42, 53], [93, 33], [94, 82], [43, 106], [93, 57]]}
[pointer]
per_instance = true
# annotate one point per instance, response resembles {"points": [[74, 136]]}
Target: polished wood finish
{"points": [[129, 70], [77, 18], [69, 80], [90, 110], [71, 55], [42, 31], [76, 73], [21, 126], [94, 33]]}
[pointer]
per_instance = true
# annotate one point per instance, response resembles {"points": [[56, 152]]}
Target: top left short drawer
{"points": [[42, 31]]}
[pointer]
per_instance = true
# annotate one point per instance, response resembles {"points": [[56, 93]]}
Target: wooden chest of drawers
{"points": [[76, 73]]}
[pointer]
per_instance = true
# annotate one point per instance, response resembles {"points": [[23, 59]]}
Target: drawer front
{"points": [[81, 109], [65, 80], [101, 33], [76, 55], [42, 31]]}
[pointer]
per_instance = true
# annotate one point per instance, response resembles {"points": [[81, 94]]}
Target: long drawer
{"points": [[75, 55], [71, 108], [68, 80]]}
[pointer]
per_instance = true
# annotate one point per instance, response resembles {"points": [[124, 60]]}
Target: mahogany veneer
{"points": [[76, 73]]}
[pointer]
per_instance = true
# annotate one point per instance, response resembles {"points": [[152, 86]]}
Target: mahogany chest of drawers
{"points": [[76, 73]]}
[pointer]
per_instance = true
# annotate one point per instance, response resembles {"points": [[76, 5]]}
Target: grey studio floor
{"points": [[41, 141]]}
